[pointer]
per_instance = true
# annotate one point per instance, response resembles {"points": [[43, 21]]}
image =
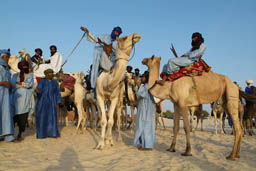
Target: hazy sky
{"points": [[228, 27]]}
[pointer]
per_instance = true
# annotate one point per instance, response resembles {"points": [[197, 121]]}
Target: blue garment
{"points": [[145, 119], [2, 53], [100, 58], [46, 112], [174, 64], [249, 89], [6, 116], [23, 97]]}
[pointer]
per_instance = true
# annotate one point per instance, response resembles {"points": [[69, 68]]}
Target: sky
{"points": [[228, 27]]}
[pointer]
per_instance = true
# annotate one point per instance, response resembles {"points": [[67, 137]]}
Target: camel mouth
{"points": [[136, 37]]}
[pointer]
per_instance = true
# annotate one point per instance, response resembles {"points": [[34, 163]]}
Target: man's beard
{"points": [[196, 44]]}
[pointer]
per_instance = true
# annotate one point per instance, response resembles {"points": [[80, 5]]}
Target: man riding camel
{"points": [[53, 63], [104, 52], [196, 52]]}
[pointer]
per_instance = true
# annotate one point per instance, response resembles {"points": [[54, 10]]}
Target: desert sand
{"points": [[76, 152]]}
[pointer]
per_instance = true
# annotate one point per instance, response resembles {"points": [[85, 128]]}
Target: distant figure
{"points": [[38, 57], [24, 102], [6, 116], [249, 89], [48, 100], [53, 63], [145, 121]]}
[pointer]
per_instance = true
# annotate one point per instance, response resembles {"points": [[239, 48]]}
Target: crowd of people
{"points": [[17, 99]]}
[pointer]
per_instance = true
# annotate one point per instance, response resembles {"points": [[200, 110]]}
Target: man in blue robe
{"points": [[23, 97], [249, 89], [48, 100], [6, 116], [145, 120], [101, 60], [196, 52]]}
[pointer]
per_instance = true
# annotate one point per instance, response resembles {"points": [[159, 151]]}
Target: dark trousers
{"points": [[21, 119]]}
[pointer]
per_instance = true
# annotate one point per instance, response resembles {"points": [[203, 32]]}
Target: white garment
{"points": [[55, 65]]}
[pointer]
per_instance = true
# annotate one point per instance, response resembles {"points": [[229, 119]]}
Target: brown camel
{"points": [[183, 94]]}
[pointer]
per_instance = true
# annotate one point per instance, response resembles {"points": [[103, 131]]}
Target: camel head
{"points": [[13, 63], [126, 43], [79, 76], [153, 65], [25, 55]]}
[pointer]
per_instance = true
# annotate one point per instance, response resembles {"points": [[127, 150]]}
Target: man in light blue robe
{"points": [[101, 61], [145, 120], [23, 97], [6, 116], [46, 112]]}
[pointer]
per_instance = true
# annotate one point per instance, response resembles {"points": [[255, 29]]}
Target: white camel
{"points": [[108, 87], [159, 110], [79, 98], [218, 110]]}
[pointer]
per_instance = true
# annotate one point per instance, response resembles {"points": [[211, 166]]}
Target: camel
{"points": [[132, 100], [198, 111], [79, 97], [159, 110], [183, 94], [108, 87], [218, 110], [13, 63]]}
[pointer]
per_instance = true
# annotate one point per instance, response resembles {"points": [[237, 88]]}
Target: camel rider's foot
{"points": [[160, 82]]}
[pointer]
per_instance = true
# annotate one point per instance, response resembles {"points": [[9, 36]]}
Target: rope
{"points": [[73, 50]]}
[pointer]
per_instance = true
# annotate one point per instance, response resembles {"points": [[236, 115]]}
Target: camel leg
{"points": [[192, 120], [80, 117], [221, 126], [202, 120], [157, 120], [109, 139], [185, 115], [237, 132], [132, 117], [94, 117], [162, 118], [119, 138], [216, 122], [175, 129], [103, 122], [197, 122]]}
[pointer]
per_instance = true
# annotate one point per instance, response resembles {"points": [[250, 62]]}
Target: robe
{"points": [[100, 58], [145, 119], [174, 64], [46, 112], [55, 65], [6, 115], [23, 97]]}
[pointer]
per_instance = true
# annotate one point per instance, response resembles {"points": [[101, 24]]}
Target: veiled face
{"points": [[6, 58]]}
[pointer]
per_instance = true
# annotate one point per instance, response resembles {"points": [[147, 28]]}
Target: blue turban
{"points": [[2, 53], [113, 36]]}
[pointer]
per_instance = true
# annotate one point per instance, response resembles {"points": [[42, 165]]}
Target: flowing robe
{"points": [[23, 97], [55, 65], [100, 58], [174, 64], [46, 113], [6, 115], [145, 119]]}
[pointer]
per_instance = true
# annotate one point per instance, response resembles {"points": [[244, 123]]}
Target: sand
{"points": [[76, 152]]}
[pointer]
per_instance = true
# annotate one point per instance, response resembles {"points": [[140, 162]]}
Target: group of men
{"points": [[48, 90]]}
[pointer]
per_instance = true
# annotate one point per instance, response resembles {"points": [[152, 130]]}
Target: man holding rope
{"points": [[104, 52]]}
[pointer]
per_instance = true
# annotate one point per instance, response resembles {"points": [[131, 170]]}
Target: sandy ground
{"points": [[76, 152]]}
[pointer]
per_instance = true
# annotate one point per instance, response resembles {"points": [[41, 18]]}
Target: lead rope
{"points": [[73, 50]]}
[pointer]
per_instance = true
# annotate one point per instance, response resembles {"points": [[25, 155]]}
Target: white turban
{"points": [[249, 81]]}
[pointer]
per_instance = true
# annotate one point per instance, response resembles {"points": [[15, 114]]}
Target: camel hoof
{"points": [[238, 156], [230, 158], [171, 150], [186, 154]]}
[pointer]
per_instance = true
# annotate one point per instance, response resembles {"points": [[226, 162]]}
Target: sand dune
{"points": [[76, 152]]}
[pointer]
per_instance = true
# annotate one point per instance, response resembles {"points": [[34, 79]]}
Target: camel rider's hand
{"points": [[84, 29], [185, 55]]}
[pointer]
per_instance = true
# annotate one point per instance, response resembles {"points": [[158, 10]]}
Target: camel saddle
{"points": [[197, 68], [67, 82]]}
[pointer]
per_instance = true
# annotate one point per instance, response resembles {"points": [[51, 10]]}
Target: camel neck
{"points": [[153, 74]]}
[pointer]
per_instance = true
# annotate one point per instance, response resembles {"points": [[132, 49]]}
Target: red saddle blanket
{"points": [[68, 81], [197, 68]]}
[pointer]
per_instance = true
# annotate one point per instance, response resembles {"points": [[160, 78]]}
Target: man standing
{"points": [[104, 52], [6, 116], [48, 100], [53, 63], [144, 135]]}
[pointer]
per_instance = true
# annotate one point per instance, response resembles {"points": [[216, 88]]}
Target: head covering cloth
{"points": [[2, 53]]}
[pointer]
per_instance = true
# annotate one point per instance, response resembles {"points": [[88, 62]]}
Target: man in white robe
{"points": [[53, 63]]}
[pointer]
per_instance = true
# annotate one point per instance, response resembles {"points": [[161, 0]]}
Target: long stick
{"points": [[174, 51]]}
